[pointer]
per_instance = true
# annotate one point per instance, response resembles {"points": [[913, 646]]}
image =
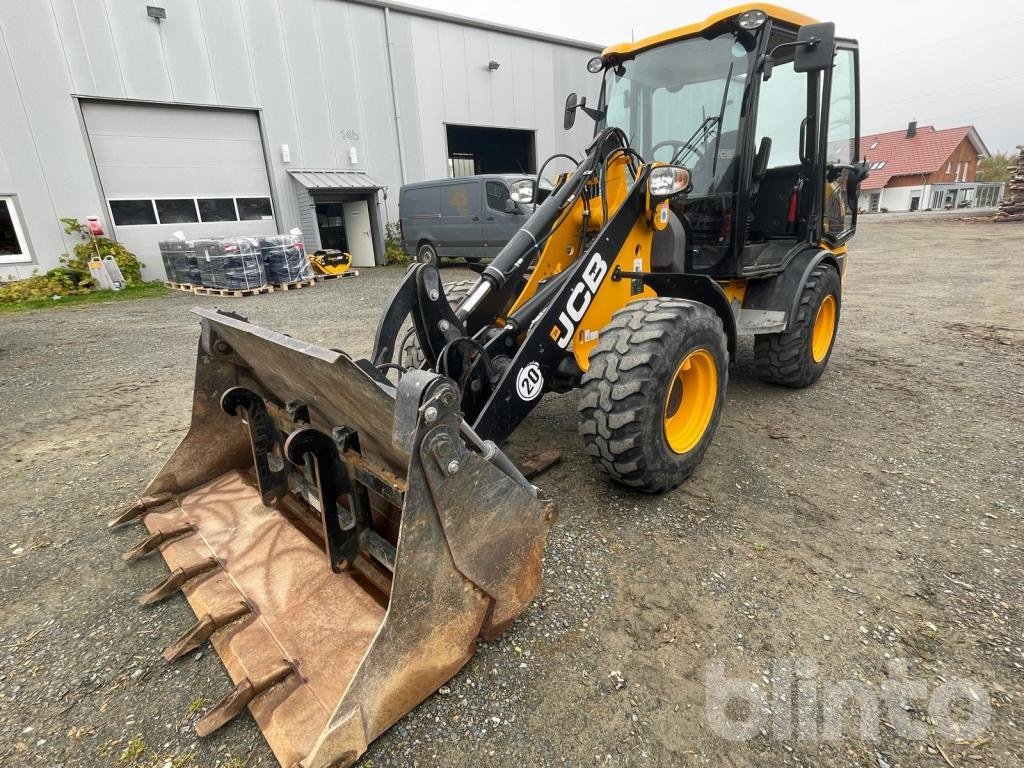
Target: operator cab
{"points": [[770, 136]]}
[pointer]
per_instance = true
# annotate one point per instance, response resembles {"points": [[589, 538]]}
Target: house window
{"points": [[254, 208], [13, 247], [131, 213], [873, 201], [873, 145], [181, 211], [949, 166]]}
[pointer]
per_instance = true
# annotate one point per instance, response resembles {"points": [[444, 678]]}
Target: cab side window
{"points": [[783, 106], [497, 194]]}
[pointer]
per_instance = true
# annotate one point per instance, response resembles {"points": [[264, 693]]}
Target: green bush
{"points": [[394, 253], [127, 261], [56, 282]]}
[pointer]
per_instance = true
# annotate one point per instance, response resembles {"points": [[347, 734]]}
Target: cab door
{"points": [[841, 146]]}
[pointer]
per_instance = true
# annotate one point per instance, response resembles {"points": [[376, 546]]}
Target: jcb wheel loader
{"points": [[345, 529]]}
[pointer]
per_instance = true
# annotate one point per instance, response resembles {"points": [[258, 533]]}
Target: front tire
{"points": [[798, 356], [427, 254], [411, 355], [653, 394]]}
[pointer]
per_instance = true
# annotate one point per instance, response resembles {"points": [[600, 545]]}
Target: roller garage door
{"points": [[165, 169]]}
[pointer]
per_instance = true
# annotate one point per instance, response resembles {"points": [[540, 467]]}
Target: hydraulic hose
{"points": [[512, 259]]}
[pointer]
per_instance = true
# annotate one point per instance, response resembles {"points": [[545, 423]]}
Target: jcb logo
{"points": [[579, 300]]}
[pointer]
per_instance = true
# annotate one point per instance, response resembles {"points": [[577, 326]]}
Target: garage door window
{"points": [[217, 209], [182, 211], [13, 248], [254, 208], [128, 213]]}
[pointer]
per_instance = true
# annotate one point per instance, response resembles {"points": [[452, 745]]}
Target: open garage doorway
{"points": [[473, 149]]}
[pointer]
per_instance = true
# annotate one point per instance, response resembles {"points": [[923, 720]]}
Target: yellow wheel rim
{"points": [[824, 328], [690, 402]]}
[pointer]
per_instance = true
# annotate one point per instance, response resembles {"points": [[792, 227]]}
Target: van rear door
{"points": [[419, 211], [462, 231]]}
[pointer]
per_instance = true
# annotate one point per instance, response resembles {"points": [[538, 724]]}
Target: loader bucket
{"points": [[342, 541]]}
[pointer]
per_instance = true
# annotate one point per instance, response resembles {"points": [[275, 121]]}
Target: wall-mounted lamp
{"points": [[156, 13], [492, 65]]}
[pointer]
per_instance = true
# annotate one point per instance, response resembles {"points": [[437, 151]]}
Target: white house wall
{"points": [[317, 70], [896, 198]]}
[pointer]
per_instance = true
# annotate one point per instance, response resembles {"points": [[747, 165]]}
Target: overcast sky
{"points": [[944, 62]]}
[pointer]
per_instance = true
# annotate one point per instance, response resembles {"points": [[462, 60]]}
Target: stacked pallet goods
{"points": [[1011, 207]]}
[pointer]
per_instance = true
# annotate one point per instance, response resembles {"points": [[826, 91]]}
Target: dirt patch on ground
{"points": [[832, 534]]}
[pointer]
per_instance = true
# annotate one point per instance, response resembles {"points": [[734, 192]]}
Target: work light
{"points": [[668, 180], [595, 65], [751, 19]]}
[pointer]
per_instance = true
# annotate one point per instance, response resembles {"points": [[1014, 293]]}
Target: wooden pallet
{"points": [[292, 286], [186, 287], [203, 291], [349, 273]]}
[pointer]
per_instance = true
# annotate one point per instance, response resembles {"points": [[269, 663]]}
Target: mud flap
{"points": [[341, 544]]}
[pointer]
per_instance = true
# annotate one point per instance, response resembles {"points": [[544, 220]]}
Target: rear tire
{"points": [[798, 356], [654, 391], [427, 254]]}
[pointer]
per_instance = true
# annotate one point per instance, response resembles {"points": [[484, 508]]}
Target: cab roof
{"points": [[775, 12]]}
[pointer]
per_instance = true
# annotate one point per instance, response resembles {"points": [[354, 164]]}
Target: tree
{"points": [[995, 167]]}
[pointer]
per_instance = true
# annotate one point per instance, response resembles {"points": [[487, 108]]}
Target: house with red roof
{"points": [[922, 168]]}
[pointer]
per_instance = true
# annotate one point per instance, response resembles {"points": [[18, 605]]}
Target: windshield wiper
{"points": [[684, 151]]}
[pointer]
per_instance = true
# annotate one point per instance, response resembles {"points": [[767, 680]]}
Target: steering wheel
{"points": [[676, 146]]}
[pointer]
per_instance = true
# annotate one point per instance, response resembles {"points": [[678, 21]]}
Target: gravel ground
{"points": [[867, 529]]}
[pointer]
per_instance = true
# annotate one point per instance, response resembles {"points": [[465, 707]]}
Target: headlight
{"points": [[522, 191], [751, 19], [595, 65], [668, 180]]}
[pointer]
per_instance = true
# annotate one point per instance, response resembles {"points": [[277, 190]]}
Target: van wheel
{"points": [[427, 254]]}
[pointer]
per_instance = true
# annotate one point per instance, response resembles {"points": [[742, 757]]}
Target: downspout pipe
{"points": [[394, 94]]}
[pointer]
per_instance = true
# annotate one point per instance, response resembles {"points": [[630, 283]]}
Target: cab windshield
{"points": [[680, 103]]}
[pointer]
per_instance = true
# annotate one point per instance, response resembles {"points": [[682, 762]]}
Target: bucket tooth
{"points": [[137, 509], [231, 706], [176, 580], [200, 632], [155, 539]]}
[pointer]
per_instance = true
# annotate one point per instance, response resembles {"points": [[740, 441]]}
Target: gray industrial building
{"points": [[247, 117]]}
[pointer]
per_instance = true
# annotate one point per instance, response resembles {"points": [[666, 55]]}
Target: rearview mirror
{"points": [[815, 46], [522, 191], [571, 102]]}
